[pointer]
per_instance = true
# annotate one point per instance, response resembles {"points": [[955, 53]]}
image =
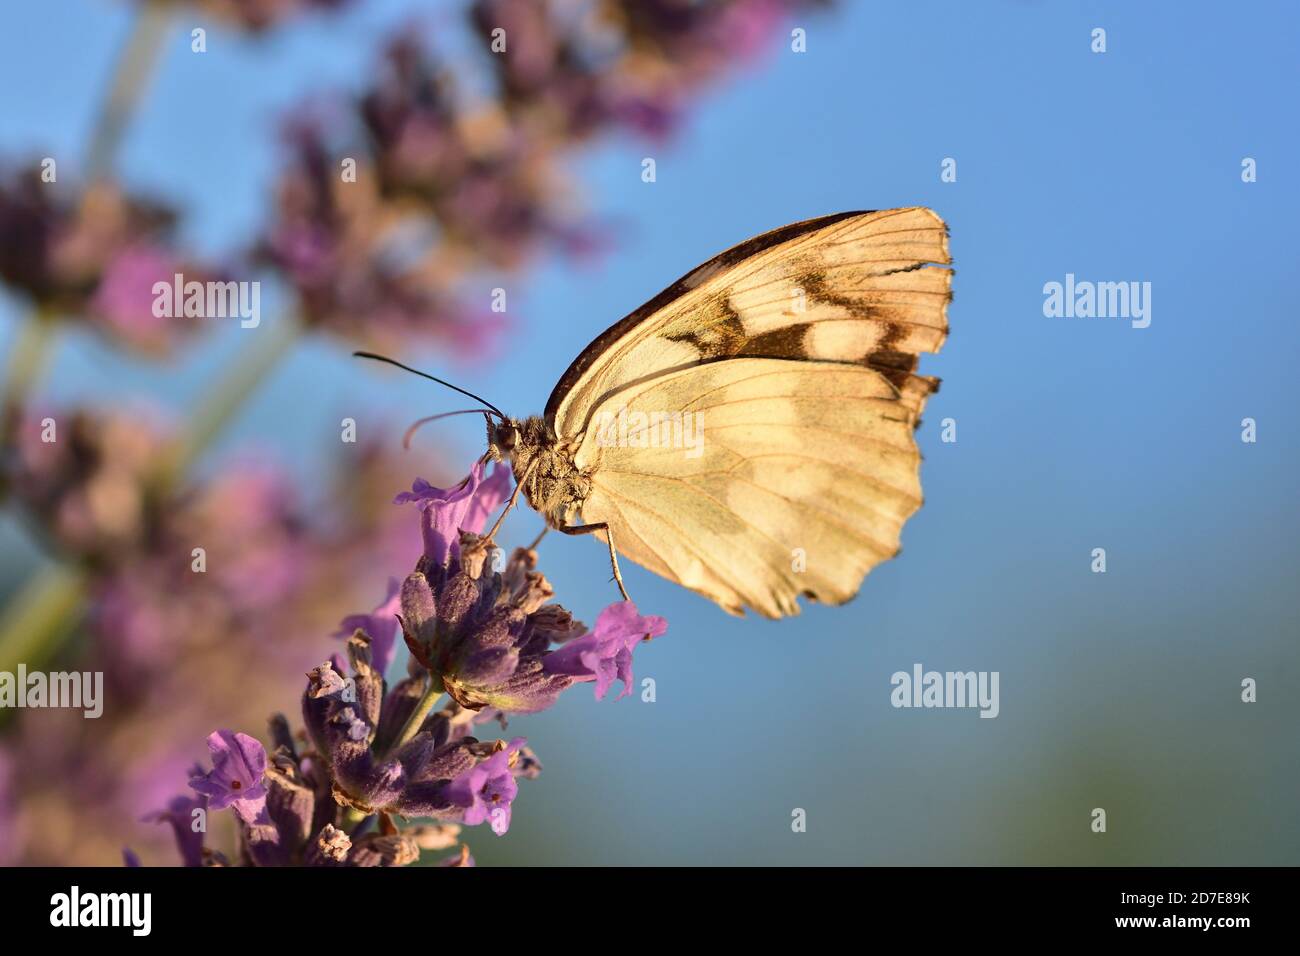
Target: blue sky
{"points": [[1117, 690]]}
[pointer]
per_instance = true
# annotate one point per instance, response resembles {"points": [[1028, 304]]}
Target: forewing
{"points": [[869, 288]]}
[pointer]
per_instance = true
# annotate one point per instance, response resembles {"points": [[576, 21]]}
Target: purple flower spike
{"points": [[487, 790], [448, 511], [380, 626], [605, 653], [238, 763]]}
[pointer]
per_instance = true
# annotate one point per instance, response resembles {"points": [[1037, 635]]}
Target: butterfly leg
{"points": [[514, 495], [609, 538]]}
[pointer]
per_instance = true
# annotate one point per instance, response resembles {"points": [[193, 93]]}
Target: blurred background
{"points": [[523, 172]]}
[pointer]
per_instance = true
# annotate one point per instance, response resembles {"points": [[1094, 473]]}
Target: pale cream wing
{"points": [[804, 475], [864, 287]]}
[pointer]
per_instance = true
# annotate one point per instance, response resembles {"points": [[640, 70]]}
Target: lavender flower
{"points": [[380, 625], [486, 635], [363, 265], [488, 789], [94, 255], [636, 71], [180, 815], [445, 513], [235, 780], [450, 190], [256, 16], [605, 654], [376, 754], [182, 652]]}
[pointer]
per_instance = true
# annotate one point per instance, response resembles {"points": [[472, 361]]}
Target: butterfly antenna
{"points": [[416, 425], [432, 378]]}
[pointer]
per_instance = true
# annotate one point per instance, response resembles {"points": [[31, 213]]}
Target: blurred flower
{"points": [[170, 569], [381, 625], [180, 816], [618, 63], [124, 298], [84, 476], [362, 266], [258, 15], [176, 646], [462, 858], [493, 187], [10, 833], [93, 257], [394, 211], [440, 197]]}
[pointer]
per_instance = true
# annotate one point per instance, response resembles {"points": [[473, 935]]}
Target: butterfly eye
{"points": [[506, 436]]}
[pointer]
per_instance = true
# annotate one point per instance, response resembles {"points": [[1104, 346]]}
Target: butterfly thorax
{"points": [[552, 483]]}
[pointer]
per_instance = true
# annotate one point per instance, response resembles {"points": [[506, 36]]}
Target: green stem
{"points": [[27, 357], [130, 77], [131, 74], [235, 384], [432, 692], [353, 818], [36, 619]]}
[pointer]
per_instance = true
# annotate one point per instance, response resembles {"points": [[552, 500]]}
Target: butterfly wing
{"points": [[865, 287], [799, 483], [794, 354]]}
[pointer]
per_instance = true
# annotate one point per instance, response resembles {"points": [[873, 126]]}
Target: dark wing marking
{"points": [[721, 262]]}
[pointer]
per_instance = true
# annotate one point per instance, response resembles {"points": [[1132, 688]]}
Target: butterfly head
{"points": [[518, 440], [502, 438]]}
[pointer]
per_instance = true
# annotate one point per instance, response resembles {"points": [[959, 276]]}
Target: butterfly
{"points": [[748, 433]]}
